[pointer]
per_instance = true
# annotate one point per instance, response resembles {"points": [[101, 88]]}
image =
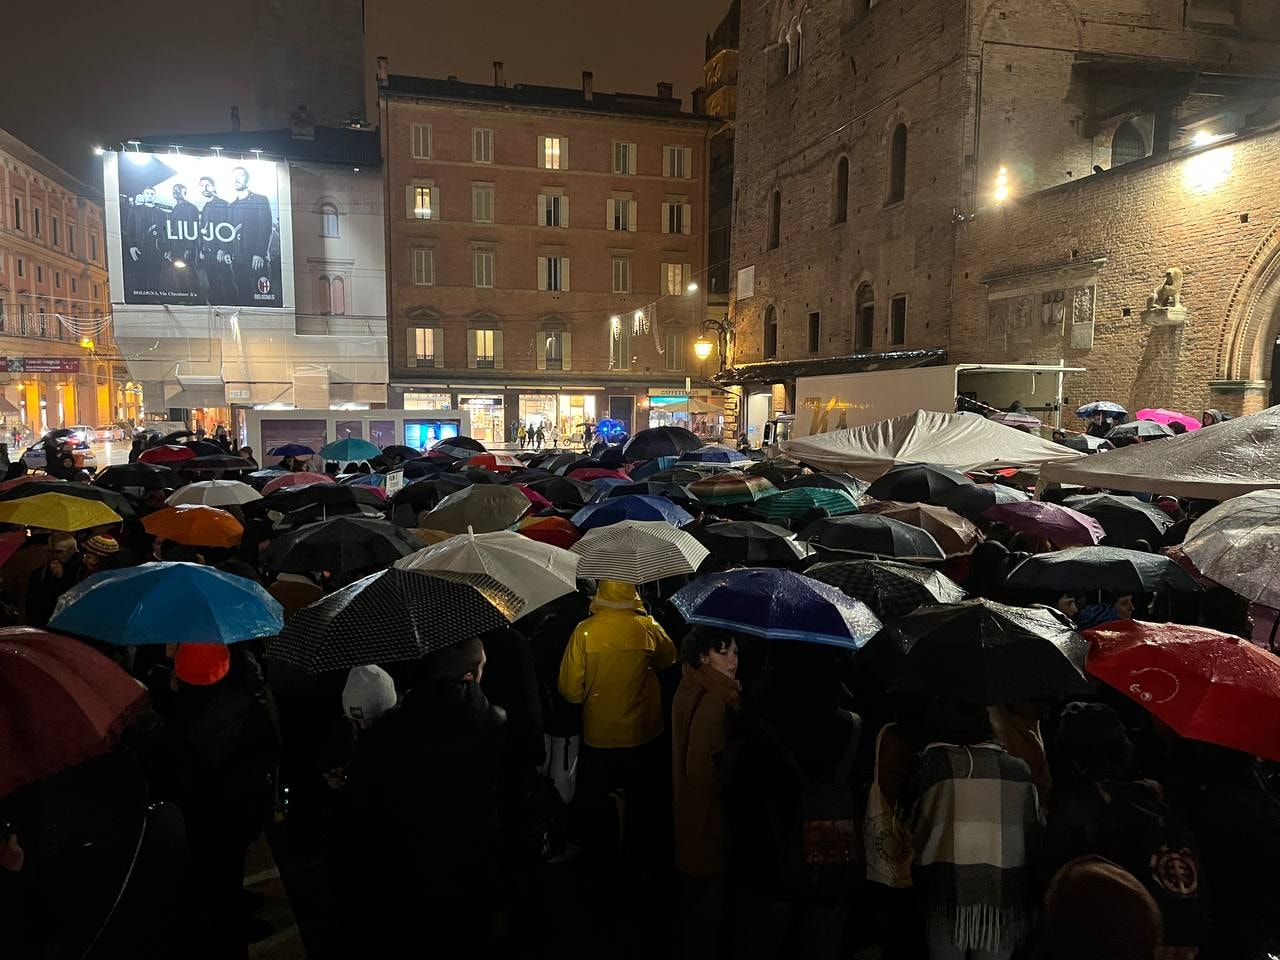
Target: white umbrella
{"points": [[214, 493], [536, 572], [638, 551], [1237, 544]]}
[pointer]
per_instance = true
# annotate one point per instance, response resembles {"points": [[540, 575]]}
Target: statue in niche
{"points": [[1169, 293]]}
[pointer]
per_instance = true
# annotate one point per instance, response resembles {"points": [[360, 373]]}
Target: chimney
{"points": [[699, 101], [588, 85], [302, 125], [497, 74], [384, 65], [235, 119], [664, 90]]}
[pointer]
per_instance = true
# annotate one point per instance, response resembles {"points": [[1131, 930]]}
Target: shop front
{"points": [[696, 410], [487, 421]]}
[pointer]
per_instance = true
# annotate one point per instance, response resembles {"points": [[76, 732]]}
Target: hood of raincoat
{"points": [[616, 595]]}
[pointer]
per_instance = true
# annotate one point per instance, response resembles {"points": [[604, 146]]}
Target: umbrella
{"points": [[954, 534], [399, 451], [638, 551], [1087, 444], [63, 703], [649, 488], [556, 531], [460, 448], [1160, 415], [167, 603], [660, 442], [144, 475], [494, 461], [316, 512], [214, 493], [1147, 429], [1019, 421], [714, 453], [291, 450], [801, 501], [679, 475], [1100, 406], [777, 605], [215, 461], [1061, 526], [289, 499], [340, 544], [777, 470], [873, 534], [558, 461], [262, 477], [10, 543], [195, 526], [631, 507], [722, 489], [85, 491], [167, 453], [375, 481], [588, 474], [391, 616], [1235, 545], [890, 589], [56, 511], [916, 483], [426, 537], [751, 543], [350, 448], [1205, 685], [830, 481], [482, 508], [533, 496], [536, 572], [644, 470], [603, 486], [563, 491], [1124, 519], [1100, 568], [23, 479], [295, 479], [974, 499], [979, 651]]}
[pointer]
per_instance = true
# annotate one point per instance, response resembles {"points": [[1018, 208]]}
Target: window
{"points": [[840, 196], [553, 153], [57, 280], [775, 219], [422, 202], [619, 343], [482, 267], [553, 273], [864, 318], [323, 293], [677, 162], [93, 248], [424, 346], [482, 203], [677, 216], [482, 340], [55, 226], [71, 239], [674, 278], [39, 274], [815, 331], [553, 349], [770, 343], [424, 267], [22, 267], [553, 210], [420, 141], [621, 274], [674, 354], [898, 321], [95, 291], [1128, 144], [624, 157], [73, 285], [621, 213], [338, 299], [35, 220], [328, 220], [2, 305], [792, 37], [17, 213], [898, 164], [481, 145]]}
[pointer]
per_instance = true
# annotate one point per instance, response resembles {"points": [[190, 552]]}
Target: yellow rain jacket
{"points": [[609, 667]]}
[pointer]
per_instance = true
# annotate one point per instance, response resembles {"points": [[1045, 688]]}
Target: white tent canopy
{"points": [[949, 439], [1214, 463]]}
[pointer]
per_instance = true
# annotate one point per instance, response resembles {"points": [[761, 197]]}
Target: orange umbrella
{"points": [[556, 531], [954, 533], [195, 526], [296, 480]]}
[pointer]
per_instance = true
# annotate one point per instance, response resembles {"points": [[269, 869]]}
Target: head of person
{"points": [[99, 550], [712, 649], [179, 192], [461, 663], [208, 189], [1178, 428], [1092, 738], [1068, 604], [1094, 908], [240, 179], [62, 546], [149, 196], [246, 453], [950, 721], [369, 693]]}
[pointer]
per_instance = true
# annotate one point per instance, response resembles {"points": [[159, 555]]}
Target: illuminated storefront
{"points": [[487, 421]]}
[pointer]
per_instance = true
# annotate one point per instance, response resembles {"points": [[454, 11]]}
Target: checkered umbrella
{"points": [[800, 501], [731, 489], [889, 588], [638, 551], [392, 616]]}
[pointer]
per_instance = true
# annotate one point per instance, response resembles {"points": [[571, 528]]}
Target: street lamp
{"points": [[702, 348]]}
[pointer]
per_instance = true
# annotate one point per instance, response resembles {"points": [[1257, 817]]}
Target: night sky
{"points": [[79, 72]]}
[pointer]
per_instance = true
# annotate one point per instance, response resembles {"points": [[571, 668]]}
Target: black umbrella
{"points": [[890, 589], [830, 481], [555, 461], [148, 476], [526, 475], [580, 463], [460, 444], [660, 442], [205, 448], [677, 475], [392, 616], [401, 452], [981, 652], [289, 499], [1084, 443], [1125, 519], [562, 491], [343, 543], [752, 543], [1147, 429], [216, 461], [871, 534], [421, 468], [778, 471], [177, 436], [315, 512], [916, 483], [114, 499], [423, 495], [971, 499], [649, 488], [1112, 569]]}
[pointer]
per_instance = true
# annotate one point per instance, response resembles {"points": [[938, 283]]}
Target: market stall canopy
{"points": [[1225, 461], [948, 439]]}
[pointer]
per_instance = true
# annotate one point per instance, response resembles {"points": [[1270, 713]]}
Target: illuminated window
{"points": [[423, 201], [483, 342], [425, 346], [674, 278], [553, 152]]}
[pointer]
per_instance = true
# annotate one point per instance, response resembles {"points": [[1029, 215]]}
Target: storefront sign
{"points": [[39, 365], [667, 392]]}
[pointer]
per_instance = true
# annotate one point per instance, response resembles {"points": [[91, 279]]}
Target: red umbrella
{"points": [[167, 453], [26, 478], [503, 462], [9, 544], [556, 531], [587, 474], [61, 702], [296, 480], [537, 499], [1203, 684]]}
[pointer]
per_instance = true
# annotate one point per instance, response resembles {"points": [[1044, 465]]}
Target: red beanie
{"points": [[201, 664]]}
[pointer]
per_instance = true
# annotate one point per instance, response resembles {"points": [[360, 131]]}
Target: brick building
{"points": [[56, 342], [546, 250], [1007, 180]]}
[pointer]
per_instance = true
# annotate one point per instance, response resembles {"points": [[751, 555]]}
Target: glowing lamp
{"points": [[702, 348]]}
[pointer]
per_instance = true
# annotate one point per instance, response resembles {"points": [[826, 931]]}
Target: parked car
{"points": [[83, 432], [110, 432], [83, 453]]}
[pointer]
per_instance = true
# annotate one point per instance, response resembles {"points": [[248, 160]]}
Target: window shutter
{"points": [[437, 347], [564, 349], [564, 210], [688, 162], [541, 215], [542, 273], [540, 349], [411, 355], [408, 201], [685, 277], [497, 350], [542, 151], [631, 160], [666, 161], [608, 213], [564, 153], [666, 217], [686, 218], [632, 215], [471, 349], [564, 274], [429, 152]]}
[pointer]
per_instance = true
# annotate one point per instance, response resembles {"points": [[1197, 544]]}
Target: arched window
{"points": [[338, 297], [1128, 144], [840, 197], [322, 295], [864, 317], [791, 35], [775, 219], [770, 349], [898, 164], [328, 220]]}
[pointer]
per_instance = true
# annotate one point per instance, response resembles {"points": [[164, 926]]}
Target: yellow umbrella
{"points": [[57, 511]]}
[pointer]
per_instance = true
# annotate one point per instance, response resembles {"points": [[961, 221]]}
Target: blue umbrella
{"points": [[630, 507], [349, 448], [604, 484], [366, 480], [715, 453], [650, 467], [167, 603], [1099, 406], [778, 605], [292, 450]]}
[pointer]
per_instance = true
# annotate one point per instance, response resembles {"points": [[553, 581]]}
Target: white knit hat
{"points": [[370, 692]]}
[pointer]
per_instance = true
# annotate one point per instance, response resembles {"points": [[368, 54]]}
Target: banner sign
{"points": [[39, 365]]}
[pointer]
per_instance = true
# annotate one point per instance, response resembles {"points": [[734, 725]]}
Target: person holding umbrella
{"points": [[50, 581]]}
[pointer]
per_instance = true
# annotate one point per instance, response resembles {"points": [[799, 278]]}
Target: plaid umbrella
{"points": [[214, 493], [916, 483], [890, 589], [341, 544], [392, 616], [1125, 519], [556, 531], [195, 526], [751, 543], [638, 551], [973, 499], [954, 533], [872, 534], [1100, 568], [1060, 525], [297, 479], [729, 489], [630, 507], [482, 508], [800, 501], [56, 511]]}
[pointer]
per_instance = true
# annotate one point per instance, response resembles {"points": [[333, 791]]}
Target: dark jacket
{"points": [[252, 214], [44, 589]]}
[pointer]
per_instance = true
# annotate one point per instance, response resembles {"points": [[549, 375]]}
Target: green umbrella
{"points": [[728, 488], [799, 501]]}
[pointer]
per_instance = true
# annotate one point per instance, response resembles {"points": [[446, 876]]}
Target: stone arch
{"points": [[1253, 316]]}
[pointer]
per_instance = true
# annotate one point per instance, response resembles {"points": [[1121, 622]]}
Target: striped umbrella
{"points": [[731, 489], [638, 551], [799, 501]]}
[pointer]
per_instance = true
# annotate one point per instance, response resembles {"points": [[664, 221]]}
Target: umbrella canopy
{"points": [[872, 534], [1160, 415], [427, 537], [801, 501], [751, 543], [638, 551], [1124, 519], [215, 461], [563, 491], [195, 526], [342, 543], [556, 531], [679, 475], [1100, 568], [1235, 544], [644, 470], [1019, 421], [1147, 429], [503, 462], [375, 481], [147, 476], [214, 493], [954, 534], [291, 450], [538, 501], [288, 499], [350, 448], [482, 508], [726, 488], [315, 512], [10, 543], [392, 616], [778, 605], [85, 491], [536, 572], [63, 703], [260, 478], [56, 511], [1061, 526], [889, 588], [297, 479], [26, 478], [714, 453], [1105, 407], [401, 452], [1203, 684], [460, 448], [631, 507], [649, 488], [975, 498], [557, 462], [1087, 444], [167, 453], [588, 474], [830, 481], [779, 470], [982, 652], [167, 603], [660, 442], [917, 483]]}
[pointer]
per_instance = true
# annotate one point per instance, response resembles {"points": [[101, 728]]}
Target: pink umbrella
{"points": [[535, 498], [596, 473], [1059, 525], [1160, 415], [296, 480]]}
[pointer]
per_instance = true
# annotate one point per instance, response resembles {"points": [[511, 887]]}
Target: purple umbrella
{"points": [[1060, 525], [1019, 421]]}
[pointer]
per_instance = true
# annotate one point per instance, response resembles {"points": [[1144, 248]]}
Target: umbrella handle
{"points": [[1271, 641]]}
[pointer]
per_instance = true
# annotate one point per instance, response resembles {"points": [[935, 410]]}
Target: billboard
{"points": [[189, 230]]}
